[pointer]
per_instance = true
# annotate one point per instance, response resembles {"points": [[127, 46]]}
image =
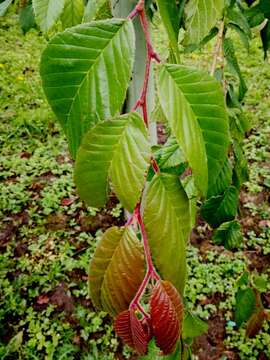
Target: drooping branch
{"points": [[151, 273]]}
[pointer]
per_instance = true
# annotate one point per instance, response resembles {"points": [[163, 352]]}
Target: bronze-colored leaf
{"points": [[255, 323], [175, 298], [116, 270], [131, 331], [166, 315]]}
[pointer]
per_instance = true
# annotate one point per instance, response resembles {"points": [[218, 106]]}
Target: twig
{"points": [[151, 55], [217, 48], [138, 8], [155, 165], [151, 273]]}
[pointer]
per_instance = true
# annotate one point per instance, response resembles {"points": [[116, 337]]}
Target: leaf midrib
{"points": [[104, 273], [174, 208], [121, 239], [94, 64]]}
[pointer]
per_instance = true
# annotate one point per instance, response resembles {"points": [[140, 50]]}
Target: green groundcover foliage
{"points": [[191, 256]]}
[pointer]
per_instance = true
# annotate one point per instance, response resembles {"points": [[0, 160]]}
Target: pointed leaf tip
{"points": [[166, 316], [129, 328], [116, 150]]}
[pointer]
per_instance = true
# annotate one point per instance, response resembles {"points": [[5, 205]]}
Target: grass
{"points": [[47, 236]]}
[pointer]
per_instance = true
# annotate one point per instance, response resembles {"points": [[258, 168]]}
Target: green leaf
{"points": [[192, 47], [264, 6], [192, 194], [27, 18], [188, 353], [47, 12], [157, 114], [154, 352], [170, 155], [242, 35], [118, 150], [229, 235], [4, 6], [90, 11], [194, 105], [254, 16], [168, 224], [243, 280], [15, 343], [85, 72], [183, 121], [223, 181], [265, 36], [222, 208], [260, 282], [201, 17], [193, 326], [73, 13], [240, 171], [104, 10], [236, 17], [97, 10], [239, 124], [233, 66], [116, 270], [245, 305], [170, 17]]}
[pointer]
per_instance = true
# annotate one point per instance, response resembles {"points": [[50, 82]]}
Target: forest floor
{"points": [[47, 236]]}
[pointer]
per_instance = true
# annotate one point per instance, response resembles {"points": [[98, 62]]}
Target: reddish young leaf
{"points": [[131, 331], [116, 270], [43, 299], [166, 315], [176, 300], [255, 323], [68, 201]]}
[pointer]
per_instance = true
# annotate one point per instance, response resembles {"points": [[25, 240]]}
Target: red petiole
{"points": [[151, 273], [151, 55]]}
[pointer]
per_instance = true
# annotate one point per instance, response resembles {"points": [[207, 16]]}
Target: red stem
{"points": [[138, 8], [134, 303], [151, 55], [151, 52], [150, 266], [151, 273], [155, 165]]}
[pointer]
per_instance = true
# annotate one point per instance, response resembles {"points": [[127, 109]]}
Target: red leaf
{"points": [[43, 299], [130, 330], [175, 298], [255, 323], [166, 314], [67, 201]]}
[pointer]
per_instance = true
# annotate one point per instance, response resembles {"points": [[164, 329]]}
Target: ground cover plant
{"points": [[52, 204]]}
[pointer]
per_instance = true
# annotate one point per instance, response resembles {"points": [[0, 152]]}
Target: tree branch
{"points": [[217, 48], [151, 273]]}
